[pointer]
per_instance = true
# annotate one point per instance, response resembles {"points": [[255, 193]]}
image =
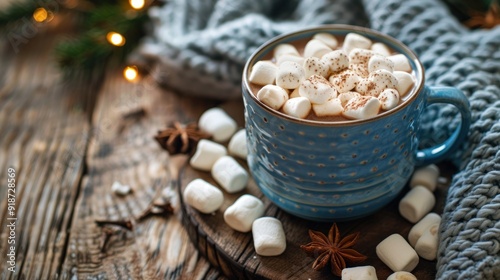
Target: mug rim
{"points": [[415, 91]]}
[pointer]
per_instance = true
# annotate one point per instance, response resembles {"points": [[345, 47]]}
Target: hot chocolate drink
{"points": [[328, 78]]}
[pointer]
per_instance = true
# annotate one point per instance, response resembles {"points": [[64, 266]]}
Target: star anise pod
{"points": [[179, 138], [332, 249]]}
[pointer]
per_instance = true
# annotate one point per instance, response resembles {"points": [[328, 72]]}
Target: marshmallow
{"points": [[401, 63], [289, 57], [381, 49], [315, 66], [405, 82], [297, 107], [359, 273], [229, 174], [207, 153], [203, 196], [263, 73], [273, 96], [336, 60], [360, 56], [378, 62], [426, 176], [401, 275], [344, 81], [389, 99], [327, 38], [419, 228], [238, 144], [218, 124], [120, 189], [268, 236], [353, 40], [362, 107], [243, 212], [295, 93], [360, 69], [316, 48], [290, 75], [416, 203], [383, 79], [427, 244], [317, 89], [332, 107], [283, 49], [344, 97], [397, 254]]}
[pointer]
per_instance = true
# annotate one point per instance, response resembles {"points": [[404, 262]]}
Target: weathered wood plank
{"points": [[41, 139], [125, 151]]}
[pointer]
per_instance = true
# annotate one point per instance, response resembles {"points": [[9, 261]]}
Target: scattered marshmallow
{"points": [[419, 228], [297, 107], [336, 60], [378, 62], [427, 244], [238, 144], [332, 107], [273, 96], [316, 48], [360, 56], [243, 212], [285, 49], [381, 49], [290, 75], [315, 66], [263, 73], [119, 189], [327, 38], [401, 63], [416, 203], [207, 153], [317, 89], [268, 236], [344, 81], [359, 273], [217, 123], [203, 196], [353, 40], [291, 58], [362, 107], [383, 79], [229, 174], [402, 275], [397, 254], [360, 69], [405, 82], [344, 97], [389, 99], [426, 176]]}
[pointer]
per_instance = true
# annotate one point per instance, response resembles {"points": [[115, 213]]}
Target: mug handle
{"points": [[455, 97]]}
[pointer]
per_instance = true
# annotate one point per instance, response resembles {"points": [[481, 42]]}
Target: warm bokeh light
{"points": [[131, 73], [40, 15], [137, 4], [115, 39]]}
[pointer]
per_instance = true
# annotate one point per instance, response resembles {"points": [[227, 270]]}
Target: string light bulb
{"points": [[115, 39], [137, 4], [131, 73], [40, 15]]}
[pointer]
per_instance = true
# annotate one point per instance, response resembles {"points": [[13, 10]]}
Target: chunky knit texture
{"points": [[201, 47]]}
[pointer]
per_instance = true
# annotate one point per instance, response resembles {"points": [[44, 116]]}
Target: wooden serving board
{"points": [[233, 252]]}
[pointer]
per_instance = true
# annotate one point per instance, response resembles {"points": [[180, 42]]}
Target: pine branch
{"points": [[17, 11]]}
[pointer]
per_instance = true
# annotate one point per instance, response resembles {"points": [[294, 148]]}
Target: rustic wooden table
{"points": [[65, 143]]}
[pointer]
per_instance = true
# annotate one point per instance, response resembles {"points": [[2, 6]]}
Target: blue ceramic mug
{"points": [[330, 171]]}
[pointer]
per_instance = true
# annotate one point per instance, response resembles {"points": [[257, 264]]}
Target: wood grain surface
{"points": [[233, 252]]}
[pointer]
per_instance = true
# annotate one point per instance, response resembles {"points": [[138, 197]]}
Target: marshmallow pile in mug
{"points": [[355, 80]]}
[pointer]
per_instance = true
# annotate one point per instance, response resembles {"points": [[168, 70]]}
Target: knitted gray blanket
{"points": [[201, 46]]}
